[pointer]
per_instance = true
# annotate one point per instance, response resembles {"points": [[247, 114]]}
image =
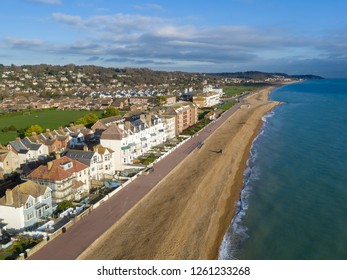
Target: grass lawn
{"points": [[231, 91], [6, 137], [227, 106], [51, 119]]}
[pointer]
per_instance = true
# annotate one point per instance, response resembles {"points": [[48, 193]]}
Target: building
{"points": [[136, 135], [169, 126], [25, 205], [206, 100], [101, 161], [170, 100], [212, 89], [28, 151], [9, 162], [102, 124], [79, 134], [53, 141], [68, 178], [185, 113]]}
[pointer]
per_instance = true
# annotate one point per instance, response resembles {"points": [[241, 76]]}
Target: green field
{"points": [[231, 91], [51, 119], [227, 106]]}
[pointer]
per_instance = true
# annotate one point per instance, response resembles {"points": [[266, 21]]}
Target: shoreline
{"points": [[240, 174], [187, 227]]}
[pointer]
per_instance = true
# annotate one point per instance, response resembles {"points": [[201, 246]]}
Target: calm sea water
{"points": [[294, 201]]}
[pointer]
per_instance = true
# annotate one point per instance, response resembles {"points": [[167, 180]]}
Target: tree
{"points": [[87, 119], [160, 100], [34, 128], [66, 204], [110, 112]]}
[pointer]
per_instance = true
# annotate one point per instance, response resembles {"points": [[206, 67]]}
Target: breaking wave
{"points": [[238, 232]]}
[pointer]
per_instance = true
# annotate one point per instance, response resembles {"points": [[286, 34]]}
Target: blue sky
{"points": [[296, 37]]}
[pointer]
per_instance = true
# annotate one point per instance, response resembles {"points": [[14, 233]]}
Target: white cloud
{"points": [[134, 39], [68, 19]]}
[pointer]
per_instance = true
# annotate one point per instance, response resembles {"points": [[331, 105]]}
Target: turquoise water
{"points": [[294, 200]]}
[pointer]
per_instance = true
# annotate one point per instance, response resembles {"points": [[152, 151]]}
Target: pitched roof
{"points": [[3, 155], [102, 150], [18, 146], [82, 156], [30, 145], [112, 133], [111, 119], [57, 171], [21, 193]]}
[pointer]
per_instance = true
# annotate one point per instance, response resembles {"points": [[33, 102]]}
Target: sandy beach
{"points": [[187, 214]]}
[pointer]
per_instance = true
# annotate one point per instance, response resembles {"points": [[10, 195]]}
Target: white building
{"points": [[210, 88], [169, 126], [78, 135], [28, 151], [25, 205], [131, 139], [207, 99], [101, 161]]}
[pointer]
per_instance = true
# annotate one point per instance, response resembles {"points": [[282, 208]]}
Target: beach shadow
{"points": [[217, 152]]}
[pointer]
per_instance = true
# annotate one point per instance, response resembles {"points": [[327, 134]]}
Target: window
{"points": [[47, 195], [28, 204], [30, 216]]}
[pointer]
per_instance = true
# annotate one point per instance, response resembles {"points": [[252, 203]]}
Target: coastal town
{"points": [[49, 180]]}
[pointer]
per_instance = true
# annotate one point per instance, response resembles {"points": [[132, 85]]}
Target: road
{"points": [[80, 236]]}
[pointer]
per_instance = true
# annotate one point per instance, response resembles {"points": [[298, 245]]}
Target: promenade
{"points": [[79, 237]]}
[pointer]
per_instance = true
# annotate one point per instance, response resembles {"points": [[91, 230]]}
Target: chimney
{"points": [[127, 124], [149, 119], [96, 149], [9, 197], [48, 130], [17, 139], [49, 165], [57, 155], [33, 133], [85, 148]]}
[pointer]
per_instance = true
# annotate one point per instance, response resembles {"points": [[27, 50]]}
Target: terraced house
{"points": [[132, 138], [27, 150], [25, 205], [101, 161], [9, 162]]}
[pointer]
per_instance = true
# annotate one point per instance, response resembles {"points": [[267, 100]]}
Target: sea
{"points": [[293, 203]]}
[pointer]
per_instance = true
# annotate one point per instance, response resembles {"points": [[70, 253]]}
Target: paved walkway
{"points": [[79, 237]]}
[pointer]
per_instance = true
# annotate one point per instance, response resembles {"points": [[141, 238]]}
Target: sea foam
{"points": [[237, 232]]}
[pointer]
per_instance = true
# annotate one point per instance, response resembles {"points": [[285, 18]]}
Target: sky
{"points": [[294, 37]]}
